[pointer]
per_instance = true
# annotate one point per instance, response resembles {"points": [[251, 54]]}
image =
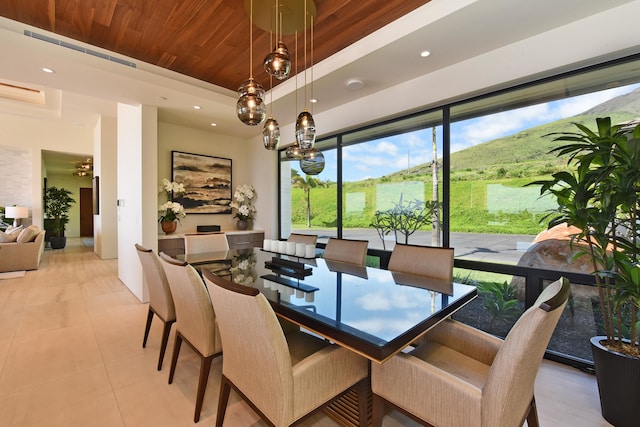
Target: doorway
{"points": [[86, 212]]}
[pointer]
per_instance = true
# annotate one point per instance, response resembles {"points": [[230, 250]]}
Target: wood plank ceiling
{"points": [[204, 39]]}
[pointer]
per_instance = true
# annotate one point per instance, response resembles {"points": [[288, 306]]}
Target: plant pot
{"points": [[618, 378], [242, 224], [58, 242], [168, 226]]}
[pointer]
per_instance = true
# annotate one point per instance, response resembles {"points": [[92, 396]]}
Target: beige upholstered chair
{"points": [[160, 299], [307, 239], [196, 322], [461, 377], [343, 250], [207, 242], [428, 261], [282, 377]]}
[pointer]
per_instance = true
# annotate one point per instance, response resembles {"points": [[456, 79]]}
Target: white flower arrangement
{"points": [[171, 187], [243, 271], [243, 202], [171, 211]]}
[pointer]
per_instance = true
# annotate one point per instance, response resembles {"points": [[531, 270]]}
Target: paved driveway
{"points": [[504, 248]]}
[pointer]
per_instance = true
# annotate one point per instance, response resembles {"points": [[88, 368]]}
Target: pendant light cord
{"points": [[312, 63], [251, 39], [305, 54]]}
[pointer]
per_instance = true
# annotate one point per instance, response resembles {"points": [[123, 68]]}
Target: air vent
{"points": [[78, 48]]}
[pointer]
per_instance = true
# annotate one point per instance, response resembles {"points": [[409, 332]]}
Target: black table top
{"points": [[374, 312]]}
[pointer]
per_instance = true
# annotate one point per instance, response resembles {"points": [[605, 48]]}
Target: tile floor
{"points": [[71, 355]]}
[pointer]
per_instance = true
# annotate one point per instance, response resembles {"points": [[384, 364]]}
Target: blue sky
{"points": [[387, 155]]}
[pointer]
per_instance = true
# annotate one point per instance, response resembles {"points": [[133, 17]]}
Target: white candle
{"points": [[291, 248], [310, 251]]}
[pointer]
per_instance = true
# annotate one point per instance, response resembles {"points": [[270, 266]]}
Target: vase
{"points": [[242, 224], [168, 226], [618, 377]]}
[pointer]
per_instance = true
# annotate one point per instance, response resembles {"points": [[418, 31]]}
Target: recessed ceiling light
{"points": [[48, 70], [425, 53], [214, 124], [313, 100], [197, 107], [162, 98], [355, 84]]}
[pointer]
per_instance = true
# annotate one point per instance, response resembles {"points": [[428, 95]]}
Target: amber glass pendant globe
{"points": [[278, 62], [293, 152], [312, 162], [305, 131], [251, 108], [271, 134]]}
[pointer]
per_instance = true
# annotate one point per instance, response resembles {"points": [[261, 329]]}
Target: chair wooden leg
{"points": [[163, 345], [147, 327], [378, 411], [532, 417], [205, 367], [363, 391], [174, 357], [225, 390]]}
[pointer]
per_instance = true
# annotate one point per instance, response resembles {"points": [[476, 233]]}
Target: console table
{"points": [[173, 244]]}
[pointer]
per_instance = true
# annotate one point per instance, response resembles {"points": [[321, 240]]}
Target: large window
{"points": [[473, 160], [309, 202]]}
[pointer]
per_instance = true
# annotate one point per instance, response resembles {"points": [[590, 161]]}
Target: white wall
{"points": [[35, 135], [173, 137], [137, 171], [105, 224]]}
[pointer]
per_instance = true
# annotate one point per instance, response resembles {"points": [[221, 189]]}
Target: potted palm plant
{"points": [[57, 203], [599, 195]]}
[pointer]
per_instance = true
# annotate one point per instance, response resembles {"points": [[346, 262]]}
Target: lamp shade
{"points": [[278, 62], [271, 134], [305, 131], [16, 212]]}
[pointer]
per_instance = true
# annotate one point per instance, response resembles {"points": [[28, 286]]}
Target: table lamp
{"points": [[16, 212]]}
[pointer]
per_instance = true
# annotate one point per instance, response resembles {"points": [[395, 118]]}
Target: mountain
{"points": [[532, 145]]}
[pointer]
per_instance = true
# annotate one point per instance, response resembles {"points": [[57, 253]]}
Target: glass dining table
{"points": [[373, 312]]}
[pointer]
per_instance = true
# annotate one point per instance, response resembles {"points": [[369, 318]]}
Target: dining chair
{"points": [[307, 239], [283, 377], [160, 299], [346, 250], [462, 377], [205, 242], [429, 261], [196, 321]]}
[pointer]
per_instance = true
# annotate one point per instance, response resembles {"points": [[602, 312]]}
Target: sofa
{"points": [[24, 253]]}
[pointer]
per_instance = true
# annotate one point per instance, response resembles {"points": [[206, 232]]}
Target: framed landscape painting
{"points": [[207, 182]]}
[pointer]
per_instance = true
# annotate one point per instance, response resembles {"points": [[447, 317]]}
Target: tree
{"points": [[404, 218], [306, 183], [435, 221]]}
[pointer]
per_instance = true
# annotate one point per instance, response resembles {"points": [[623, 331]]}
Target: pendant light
{"points": [[305, 125], [312, 162], [250, 106], [278, 63], [271, 130]]}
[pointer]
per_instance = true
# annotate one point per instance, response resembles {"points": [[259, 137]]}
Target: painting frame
{"points": [[95, 195], [207, 182]]}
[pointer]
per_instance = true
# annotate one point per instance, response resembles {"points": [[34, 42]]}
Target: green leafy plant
{"points": [[57, 203], [599, 195], [500, 300]]}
